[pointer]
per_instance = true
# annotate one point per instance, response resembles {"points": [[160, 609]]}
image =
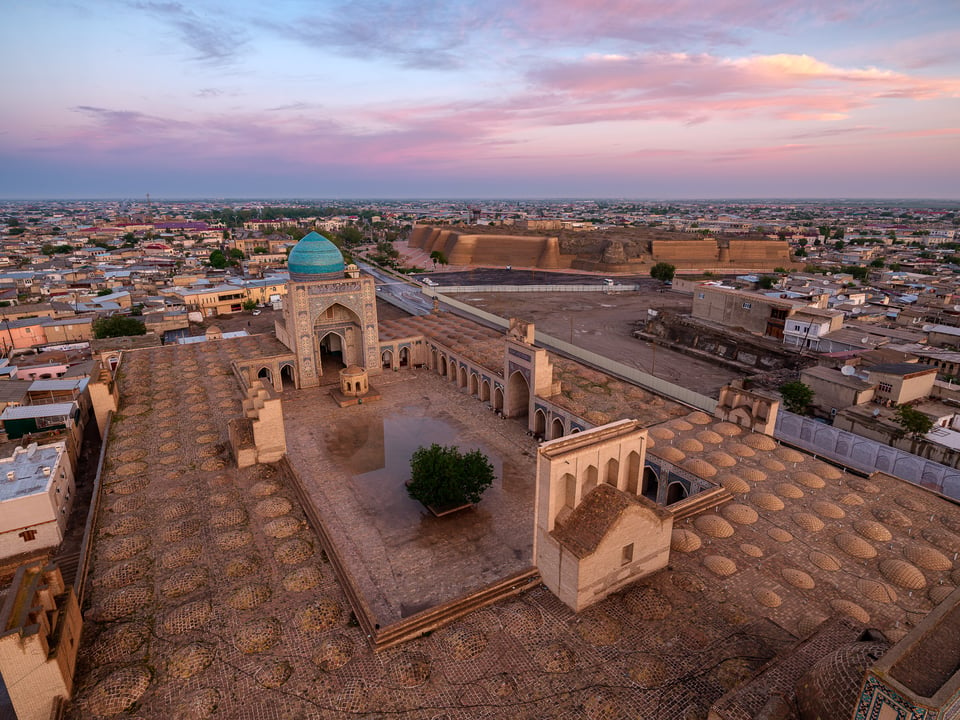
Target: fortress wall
{"points": [[685, 252], [762, 251], [419, 236], [466, 249], [496, 250]]}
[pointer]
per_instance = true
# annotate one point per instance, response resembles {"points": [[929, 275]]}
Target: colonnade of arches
{"points": [[285, 373], [628, 476], [547, 429], [483, 389], [401, 358]]}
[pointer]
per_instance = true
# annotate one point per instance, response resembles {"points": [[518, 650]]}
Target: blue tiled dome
{"points": [[315, 258]]}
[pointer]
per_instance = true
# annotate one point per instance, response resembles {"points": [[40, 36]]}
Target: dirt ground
{"points": [[603, 323]]}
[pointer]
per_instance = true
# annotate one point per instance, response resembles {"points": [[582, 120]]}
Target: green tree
{"points": [[443, 477], [838, 245], [797, 396], [236, 254], [878, 263], [662, 271], [218, 259], [348, 235], [117, 326], [249, 305], [438, 257], [104, 291], [912, 422], [767, 281]]}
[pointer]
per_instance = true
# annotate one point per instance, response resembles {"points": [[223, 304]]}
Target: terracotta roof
{"points": [[590, 521]]}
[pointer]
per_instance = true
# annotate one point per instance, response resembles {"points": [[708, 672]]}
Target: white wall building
{"points": [[36, 494]]}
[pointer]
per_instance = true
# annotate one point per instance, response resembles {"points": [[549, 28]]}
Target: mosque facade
{"points": [[330, 316]]}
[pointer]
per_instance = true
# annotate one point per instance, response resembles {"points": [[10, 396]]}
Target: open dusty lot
{"points": [[603, 323]]}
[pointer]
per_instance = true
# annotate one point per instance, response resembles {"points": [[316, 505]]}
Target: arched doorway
{"points": [[613, 472], [287, 377], [485, 391], [265, 374], [404, 357], [463, 378], [540, 423], [339, 337], [443, 366], [633, 473], [332, 358], [474, 385], [556, 429], [433, 359], [675, 493], [651, 484], [498, 399], [518, 394], [590, 481], [386, 359]]}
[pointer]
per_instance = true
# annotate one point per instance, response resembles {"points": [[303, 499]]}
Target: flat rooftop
{"points": [[27, 465]]}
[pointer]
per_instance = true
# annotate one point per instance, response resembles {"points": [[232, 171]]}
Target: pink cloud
{"points": [[684, 86]]}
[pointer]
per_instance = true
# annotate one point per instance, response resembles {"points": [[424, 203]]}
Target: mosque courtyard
{"points": [[354, 462]]}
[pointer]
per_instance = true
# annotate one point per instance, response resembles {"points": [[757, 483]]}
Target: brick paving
{"points": [[404, 559]]}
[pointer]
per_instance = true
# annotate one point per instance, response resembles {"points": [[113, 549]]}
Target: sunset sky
{"points": [[503, 98]]}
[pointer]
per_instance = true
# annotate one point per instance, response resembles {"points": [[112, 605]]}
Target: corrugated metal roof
{"points": [[22, 412], [78, 384]]}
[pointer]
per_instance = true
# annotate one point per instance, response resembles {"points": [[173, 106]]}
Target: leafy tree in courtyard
{"points": [[662, 271], [913, 422], [443, 477], [767, 282], [249, 305], [797, 396], [117, 326], [218, 259], [438, 257]]}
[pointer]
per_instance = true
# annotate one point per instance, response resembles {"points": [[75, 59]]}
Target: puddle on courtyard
{"points": [[403, 558], [377, 452]]}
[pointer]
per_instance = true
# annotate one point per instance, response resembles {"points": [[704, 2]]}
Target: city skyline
{"points": [[740, 99]]}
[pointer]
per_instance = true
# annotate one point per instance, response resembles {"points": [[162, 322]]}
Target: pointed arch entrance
{"points": [[332, 359], [675, 492], [518, 396], [265, 374], [540, 423], [287, 377], [651, 484], [556, 429]]}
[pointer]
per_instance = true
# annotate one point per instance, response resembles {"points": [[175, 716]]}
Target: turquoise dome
{"points": [[315, 258]]}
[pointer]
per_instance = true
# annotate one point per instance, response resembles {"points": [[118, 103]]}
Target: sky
{"points": [[645, 99]]}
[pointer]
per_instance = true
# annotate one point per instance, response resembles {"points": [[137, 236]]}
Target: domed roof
{"points": [[315, 258], [831, 687]]}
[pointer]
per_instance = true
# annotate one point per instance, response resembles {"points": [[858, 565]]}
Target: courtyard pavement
{"points": [[354, 462]]}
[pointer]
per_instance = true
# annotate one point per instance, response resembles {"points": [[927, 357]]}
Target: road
{"points": [[404, 294]]}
